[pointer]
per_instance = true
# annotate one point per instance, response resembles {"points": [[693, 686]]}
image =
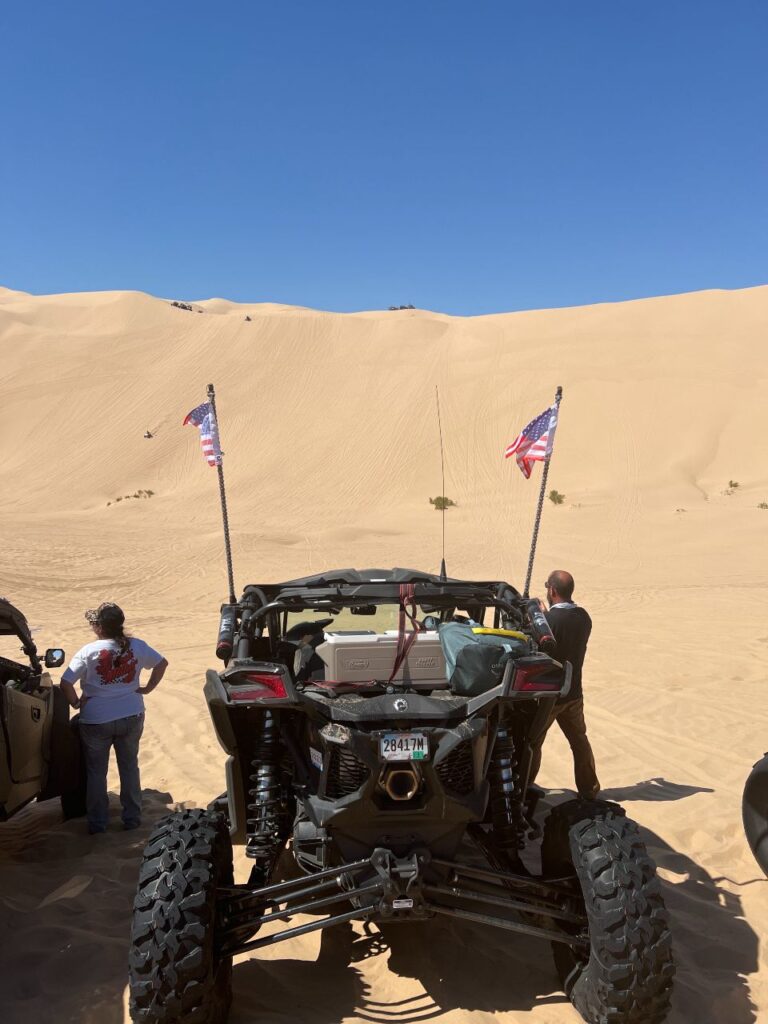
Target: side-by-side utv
{"points": [[39, 753], [380, 727]]}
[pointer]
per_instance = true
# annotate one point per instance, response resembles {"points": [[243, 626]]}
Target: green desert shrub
{"points": [[441, 502], [141, 493], [556, 497]]}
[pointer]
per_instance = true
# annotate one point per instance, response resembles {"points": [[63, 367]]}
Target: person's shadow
{"points": [[652, 789], [65, 913]]}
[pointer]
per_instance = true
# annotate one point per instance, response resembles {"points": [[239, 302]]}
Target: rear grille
{"points": [[346, 773], [456, 772]]}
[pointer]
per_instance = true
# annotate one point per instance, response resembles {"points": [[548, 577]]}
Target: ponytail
{"points": [[121, 638]]}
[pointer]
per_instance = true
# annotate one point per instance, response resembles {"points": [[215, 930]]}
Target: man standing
{"points": [[571, 626]]}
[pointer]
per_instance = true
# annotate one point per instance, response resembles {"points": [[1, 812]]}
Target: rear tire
{"points": [[175, 975], [627, 976]]}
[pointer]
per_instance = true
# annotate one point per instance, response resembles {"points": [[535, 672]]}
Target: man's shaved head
{"points": [[562, 583]]}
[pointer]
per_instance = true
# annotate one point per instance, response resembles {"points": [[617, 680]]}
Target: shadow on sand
{"points": [[448, 968], [65, 912], [715, 948], [652, 789], [65, 907]]}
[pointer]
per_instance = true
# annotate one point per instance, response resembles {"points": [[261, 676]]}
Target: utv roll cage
{"points": [[14, 623], [263, 605]]}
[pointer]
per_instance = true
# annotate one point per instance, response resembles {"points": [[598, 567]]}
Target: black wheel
{"points": [[754, 810], [627, 976], [175, 975]]}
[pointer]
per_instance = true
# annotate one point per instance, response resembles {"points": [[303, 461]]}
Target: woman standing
{"points": [[111, 710]]}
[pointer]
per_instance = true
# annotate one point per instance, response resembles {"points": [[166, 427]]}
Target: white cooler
{"points": [[351, 658]]}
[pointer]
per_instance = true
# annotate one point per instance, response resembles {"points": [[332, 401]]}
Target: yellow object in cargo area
{"points": [[500, 632]]}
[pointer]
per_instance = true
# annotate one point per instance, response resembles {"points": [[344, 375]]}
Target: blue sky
{"points": [[466, 157]]}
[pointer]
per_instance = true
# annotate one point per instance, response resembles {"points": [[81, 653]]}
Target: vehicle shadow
{"points": [[653, 789], [314, 992], [710, 939], [468, 967], [65, 910], [448, 967]]}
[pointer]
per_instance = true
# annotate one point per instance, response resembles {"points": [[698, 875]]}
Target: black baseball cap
{"points": [[107, 614]]}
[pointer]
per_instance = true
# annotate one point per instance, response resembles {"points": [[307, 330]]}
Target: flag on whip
{"points": [[204, 418], [534, 442]]}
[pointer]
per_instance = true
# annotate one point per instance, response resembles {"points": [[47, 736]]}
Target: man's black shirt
{"points": [[571, 626]]}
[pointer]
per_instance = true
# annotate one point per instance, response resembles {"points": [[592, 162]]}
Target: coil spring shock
{"points": [[506, 793], [265, 806]]}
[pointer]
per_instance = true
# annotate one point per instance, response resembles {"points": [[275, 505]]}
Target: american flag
{"points": [[203, 418], [534, 442]]}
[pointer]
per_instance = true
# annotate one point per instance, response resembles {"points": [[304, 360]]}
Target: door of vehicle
{"points": [[23, 719]]}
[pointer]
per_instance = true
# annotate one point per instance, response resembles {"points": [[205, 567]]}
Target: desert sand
{"points": [[329, 428]]}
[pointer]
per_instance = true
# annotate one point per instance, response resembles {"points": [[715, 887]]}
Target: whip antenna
{"points": [[443, 575], [555, 409], [223, 496]]}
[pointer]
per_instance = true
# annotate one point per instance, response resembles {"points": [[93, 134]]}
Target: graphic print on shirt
{"points": [[123, 671]]}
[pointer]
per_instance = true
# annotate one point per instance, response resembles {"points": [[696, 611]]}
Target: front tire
{"points": [[175, 975], [627, 976]]}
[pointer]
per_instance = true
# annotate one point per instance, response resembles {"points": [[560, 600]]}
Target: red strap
{"points": [[405, 640]]}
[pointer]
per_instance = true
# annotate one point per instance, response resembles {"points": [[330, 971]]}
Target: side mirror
{"points": [[430, 623], [54, 657]]}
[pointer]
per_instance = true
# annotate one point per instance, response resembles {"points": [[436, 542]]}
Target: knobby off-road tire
{"points": [[754, 809], [175, 975], [627, 977]]}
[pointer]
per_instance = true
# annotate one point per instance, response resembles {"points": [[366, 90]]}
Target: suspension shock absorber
{"points": [[506, 792], [265, 804]]}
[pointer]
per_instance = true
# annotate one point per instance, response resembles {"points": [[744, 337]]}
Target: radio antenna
{"points": [[443, 575]]}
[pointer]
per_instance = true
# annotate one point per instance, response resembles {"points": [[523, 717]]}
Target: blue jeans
{"points": [[124, 734]]}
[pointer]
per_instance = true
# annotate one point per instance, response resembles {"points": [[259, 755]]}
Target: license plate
{"points": [[404, 746]]}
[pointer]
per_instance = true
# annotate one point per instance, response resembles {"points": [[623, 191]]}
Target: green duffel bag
{"points": [[475, 658]]}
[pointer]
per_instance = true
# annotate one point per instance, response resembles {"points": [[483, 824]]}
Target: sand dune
{"points": [[329, 428]]}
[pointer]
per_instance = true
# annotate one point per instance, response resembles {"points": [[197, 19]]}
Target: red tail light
{"points": [[543, 678], [266, 686]]}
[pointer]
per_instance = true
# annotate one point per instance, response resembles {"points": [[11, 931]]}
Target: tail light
{"points": [[262, 686], [544, 676]]}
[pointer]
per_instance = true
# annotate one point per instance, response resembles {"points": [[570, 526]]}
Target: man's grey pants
{"points": [[124, 734]]}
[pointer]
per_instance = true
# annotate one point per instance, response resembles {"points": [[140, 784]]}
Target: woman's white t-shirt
{"points": [[109, 679]]}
